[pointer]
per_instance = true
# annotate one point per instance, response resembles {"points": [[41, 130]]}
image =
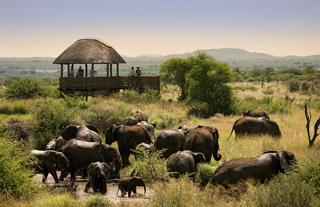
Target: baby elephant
{"points": [[183, 162], [129, 185], [98, 174], [49, 160]]}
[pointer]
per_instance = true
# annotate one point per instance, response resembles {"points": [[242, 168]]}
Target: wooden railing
{"points": [[121, 82]]}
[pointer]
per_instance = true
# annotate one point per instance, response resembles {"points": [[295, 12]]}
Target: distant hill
{"points": [[40, 66]]}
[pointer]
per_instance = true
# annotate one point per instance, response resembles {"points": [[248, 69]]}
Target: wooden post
{"points": [[111, 70], [118, 69], [61, 72], [86, 70], [118, 79], [68, 70], [72, 69], [107, 69], [85, 85]]}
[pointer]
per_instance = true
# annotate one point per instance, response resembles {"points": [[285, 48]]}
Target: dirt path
{"points": [[111, 194]]}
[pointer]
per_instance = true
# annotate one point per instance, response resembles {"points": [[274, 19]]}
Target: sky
{"points": [[45, 28]]}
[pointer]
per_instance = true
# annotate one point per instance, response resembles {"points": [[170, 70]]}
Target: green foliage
{"points": [[51, 118], [207, 84], [164, 120], [16, 107], [149, 166], [97, 200], [174, 71], [15, 176], [153, 95], [310, 173], [57, 200], [204, 174], [293, 85], [285, 190], [74, 101], [103, 116], [244, 88], [29, 87]]}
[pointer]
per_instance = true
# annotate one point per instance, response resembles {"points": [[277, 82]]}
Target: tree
{"points": [[206, 81], [174, 71]]}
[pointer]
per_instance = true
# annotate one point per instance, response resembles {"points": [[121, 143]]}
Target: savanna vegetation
{"points": [[36, 106]]}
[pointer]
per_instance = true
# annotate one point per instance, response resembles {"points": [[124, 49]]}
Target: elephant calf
{"points": [[49, 160], [183, 162], [259, 169], [98, 173], [256, 113], [129, 184]]}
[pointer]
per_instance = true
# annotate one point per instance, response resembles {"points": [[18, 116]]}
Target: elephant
{"points": [[255, 126], [98, 173], [260, 169], [49, 160], [135, 119], [56, 143], [81, 153], [203, 139], [149, 126], [84, 132], [171, 140], [185, 129], [112, 157], [183, 162], [256, 113], [128, 137], [129, 184]]}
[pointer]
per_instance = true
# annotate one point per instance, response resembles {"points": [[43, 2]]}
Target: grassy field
{"points": [[288, 190]]}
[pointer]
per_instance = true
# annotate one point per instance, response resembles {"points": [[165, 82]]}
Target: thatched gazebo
{"points": [[91, 52]]}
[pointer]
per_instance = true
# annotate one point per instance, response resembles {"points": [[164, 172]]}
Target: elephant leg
{"points": [[124, 155], [45, 175], [87, 187], [134, 190], [84, 174], [73, 176], [129, 193], [53, 172], [103, 188], [64, 174]]}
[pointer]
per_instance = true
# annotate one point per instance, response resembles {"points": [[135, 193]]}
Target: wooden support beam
{"points": [[68, 70], [118, 69], [111, 70], [61, 71], [86, 70]]}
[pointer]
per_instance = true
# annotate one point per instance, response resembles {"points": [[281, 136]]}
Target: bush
{"points": [[103, 116], [16, 107], [151, 167], [96, 201], [153, 95], [285, 190], [204, 174], [51, 118], [310, 173], [164, 120], [293, 85], [15, 176], [305, 86], [56, 200], [23, 88]]}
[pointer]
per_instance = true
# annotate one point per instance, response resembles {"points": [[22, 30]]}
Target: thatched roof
{"points": [[87, 51]]}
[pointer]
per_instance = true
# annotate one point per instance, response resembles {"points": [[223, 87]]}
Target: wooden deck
{"points": [[105, 85]]}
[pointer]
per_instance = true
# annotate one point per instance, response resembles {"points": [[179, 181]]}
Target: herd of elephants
{"points": [[81, 148]]}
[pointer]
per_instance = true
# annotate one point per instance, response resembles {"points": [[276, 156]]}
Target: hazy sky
{"points": [[135, 27]]}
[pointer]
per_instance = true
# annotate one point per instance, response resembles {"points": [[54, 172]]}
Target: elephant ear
{"points": [[70, 132], [283, 158], [198, 157], [91, 127], [52, 156], [214, 132], [107, 169]]}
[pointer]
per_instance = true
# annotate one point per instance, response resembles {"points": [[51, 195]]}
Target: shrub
{"points": [[310, 172], [305, 86], [204, 174], [96, 201], [23, 88], [74, 101], [15, 176], [153, 95], [56, 200], [102, 116], [285, 190], [51, 118], [293, 85], [151, 167], [16, 107], [164, 120]]}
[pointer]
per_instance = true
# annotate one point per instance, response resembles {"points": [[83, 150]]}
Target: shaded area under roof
{"points": [[89, 51]]}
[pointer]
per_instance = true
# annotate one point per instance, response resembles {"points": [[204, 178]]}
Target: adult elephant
{"points": [[183, 162], [148, 126], [260, 169], [128, 137], [112, 157], [81, 153], [256, 113], [171, 140], [84, 132], [255, 126], [98, 173], [49, 161], [203, 139], [137, 117]]}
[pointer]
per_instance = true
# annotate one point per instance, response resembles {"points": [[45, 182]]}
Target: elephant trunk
{"points": [[216, 155], [144, 186]]}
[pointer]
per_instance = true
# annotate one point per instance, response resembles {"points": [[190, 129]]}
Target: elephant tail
{"points": [[232, 130], [118, 192], [144, 186], [113, 181]]}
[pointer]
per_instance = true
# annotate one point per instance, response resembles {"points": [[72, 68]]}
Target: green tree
{"points": [[207, 84], [174, 71]]}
